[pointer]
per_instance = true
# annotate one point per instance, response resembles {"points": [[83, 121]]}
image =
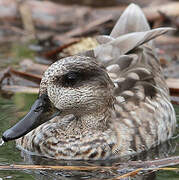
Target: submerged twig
{"points": [[135, 172], [132, 173], [158, 164], [46, 167]]}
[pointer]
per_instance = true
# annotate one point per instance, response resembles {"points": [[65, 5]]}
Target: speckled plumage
{"points": [[119, 105]]}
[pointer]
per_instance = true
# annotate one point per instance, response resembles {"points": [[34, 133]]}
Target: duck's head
{"points": [[74, 85]]}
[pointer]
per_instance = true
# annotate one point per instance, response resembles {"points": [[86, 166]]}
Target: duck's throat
{"points": [[98, 120]]}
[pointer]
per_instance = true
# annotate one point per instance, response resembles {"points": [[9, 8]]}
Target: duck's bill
{"points": [[41, 111]]}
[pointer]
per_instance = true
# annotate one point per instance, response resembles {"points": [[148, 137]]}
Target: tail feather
{"points": [[124, 44], [132, 20], [131, 31]]}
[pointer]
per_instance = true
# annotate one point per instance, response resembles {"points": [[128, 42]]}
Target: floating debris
{"points": [[1, 142]]}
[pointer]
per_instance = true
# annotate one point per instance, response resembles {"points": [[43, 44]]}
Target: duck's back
{"points": [[143, 114]]}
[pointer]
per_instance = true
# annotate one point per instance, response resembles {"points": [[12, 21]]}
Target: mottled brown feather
{"points": [[120, 107]]}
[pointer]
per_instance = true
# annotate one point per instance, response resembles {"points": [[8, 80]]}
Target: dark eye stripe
{"points": [[71, 79], [77, 78]]}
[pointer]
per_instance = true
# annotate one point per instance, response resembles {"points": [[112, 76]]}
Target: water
{"points": [[15, 107]]}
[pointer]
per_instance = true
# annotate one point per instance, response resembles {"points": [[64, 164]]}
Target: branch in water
{"points": [[158, 164]]}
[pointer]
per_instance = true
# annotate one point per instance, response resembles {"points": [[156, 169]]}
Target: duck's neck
{"points": [[96, 120]]}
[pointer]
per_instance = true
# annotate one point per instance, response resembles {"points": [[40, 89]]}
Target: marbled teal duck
{"points": [[106, 103]]}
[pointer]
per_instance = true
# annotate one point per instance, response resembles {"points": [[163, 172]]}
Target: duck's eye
{"points": [[70, 79]]}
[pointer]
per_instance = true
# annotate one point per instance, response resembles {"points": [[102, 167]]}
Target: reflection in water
{"points": [[17, 107], [162, 151]]}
